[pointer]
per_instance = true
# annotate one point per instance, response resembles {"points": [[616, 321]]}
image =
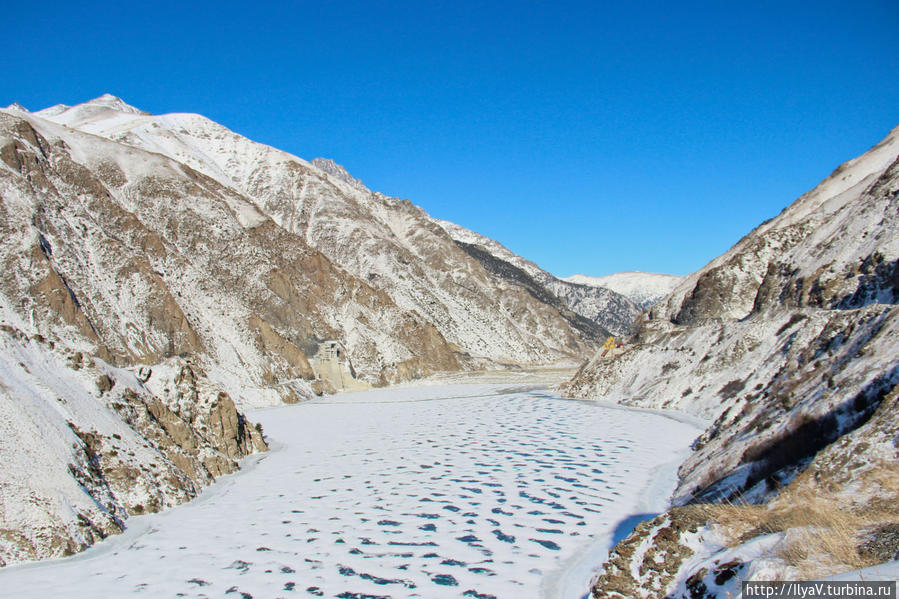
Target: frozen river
{"points": [[441, 491]]}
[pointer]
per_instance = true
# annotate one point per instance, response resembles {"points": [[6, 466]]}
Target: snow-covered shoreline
{"points": [[429, 491]]}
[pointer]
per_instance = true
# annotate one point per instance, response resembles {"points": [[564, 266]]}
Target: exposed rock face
{"points": [[332, 168], [85, 444], [788, 343], [646, 562]]}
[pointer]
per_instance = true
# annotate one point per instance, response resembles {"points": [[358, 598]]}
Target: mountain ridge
{"points": [[786, 342], [643, 288], [211, 149]]}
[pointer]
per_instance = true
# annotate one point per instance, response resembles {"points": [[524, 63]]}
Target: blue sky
{"points": [[589, 137]]}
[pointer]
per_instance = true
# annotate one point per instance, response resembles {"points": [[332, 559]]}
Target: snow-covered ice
{"points": [[436, 491]]}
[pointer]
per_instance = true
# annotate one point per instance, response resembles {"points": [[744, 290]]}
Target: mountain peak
{"points": [[337, 170], [17, 107], [115, 103]]}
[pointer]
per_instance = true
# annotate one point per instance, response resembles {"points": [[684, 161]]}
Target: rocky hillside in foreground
{"points": [[161, 272], [787, 343]]}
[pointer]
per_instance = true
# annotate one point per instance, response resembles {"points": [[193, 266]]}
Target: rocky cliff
{"points": [[787, 343]]}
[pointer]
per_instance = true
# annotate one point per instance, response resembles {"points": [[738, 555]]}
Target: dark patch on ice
{"points": [[315, 591], [452, 562], [385, 581], [198, 582], [547, 544], [412, 544], [239, 565], [445, 580], [388, 523], [503, 537], [346, 571]]}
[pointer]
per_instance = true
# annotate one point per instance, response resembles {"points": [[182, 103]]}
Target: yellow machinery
{"points": [[610, 343]]}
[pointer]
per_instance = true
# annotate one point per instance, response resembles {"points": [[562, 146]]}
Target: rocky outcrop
{"points": [[787, 344], [86, 444], [647, 561]]}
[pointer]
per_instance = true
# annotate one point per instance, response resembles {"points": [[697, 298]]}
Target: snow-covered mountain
{"points": [[389, 243], [612, 310], [163, 272], [787, 342], [642, 288]]}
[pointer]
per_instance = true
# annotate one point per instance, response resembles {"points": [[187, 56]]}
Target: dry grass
{"points": [[821, 535]]}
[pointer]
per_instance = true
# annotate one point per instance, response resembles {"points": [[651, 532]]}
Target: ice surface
{"points": [[439, 491]]}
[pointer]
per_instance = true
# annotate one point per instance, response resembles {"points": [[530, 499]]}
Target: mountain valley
{"points": [[165, 276], [163, 273]]}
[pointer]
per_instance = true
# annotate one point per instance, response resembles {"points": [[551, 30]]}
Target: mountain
{"points": [[787, 344], [388, 243], [163, 273], [612, 310], [16, 107], [642, 288]]}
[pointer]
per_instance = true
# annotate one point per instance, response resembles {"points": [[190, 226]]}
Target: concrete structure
{"points": [[332, 364]]}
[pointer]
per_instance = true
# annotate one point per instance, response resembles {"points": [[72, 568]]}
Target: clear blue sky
{"points": [[589, 137]]}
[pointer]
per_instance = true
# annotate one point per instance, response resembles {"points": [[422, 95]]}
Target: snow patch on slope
{"points": [[643, 288]]}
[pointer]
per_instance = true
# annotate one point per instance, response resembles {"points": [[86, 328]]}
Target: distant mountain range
{"points": [[642, 288]]}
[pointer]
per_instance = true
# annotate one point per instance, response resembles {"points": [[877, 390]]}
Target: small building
{"points": [[332, 364]]}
